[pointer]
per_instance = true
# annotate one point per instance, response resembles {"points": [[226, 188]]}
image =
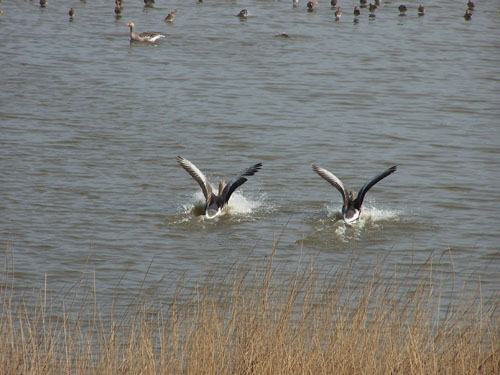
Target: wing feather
{"points": [[197, 175], [332, 179], [364, 189], [238, 181]]}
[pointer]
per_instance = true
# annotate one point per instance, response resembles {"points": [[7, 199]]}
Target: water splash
{"points": [[372, 218], [369, 214], [238, 206]]}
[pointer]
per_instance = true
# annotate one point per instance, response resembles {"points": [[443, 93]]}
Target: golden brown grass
{"points": [[258, 320]]}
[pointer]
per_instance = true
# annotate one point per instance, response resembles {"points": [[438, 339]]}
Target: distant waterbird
{"points": [[338, 14], [146, 36], [243, 13], [311, 5], [402, 10], [170, 16]]}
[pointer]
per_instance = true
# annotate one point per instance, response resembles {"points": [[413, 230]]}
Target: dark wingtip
{"points": [[256, 168]]}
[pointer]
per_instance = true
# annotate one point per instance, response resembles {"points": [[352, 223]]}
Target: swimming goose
{"points": [[333, 3], [421, 10], [146, 36], [311, 5], [471, 5], [243, 13], [351, 209], [170, 16], [43, 3], [338, 14], [402, 10], [71, 13], [356, 12], [215, 203], [468, 15]]}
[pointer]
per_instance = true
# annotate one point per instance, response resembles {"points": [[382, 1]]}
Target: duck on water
{"points": [[216, 203], [351, 208]]}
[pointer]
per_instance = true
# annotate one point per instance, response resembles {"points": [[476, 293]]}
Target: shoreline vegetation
{"points": [[264, 319]]}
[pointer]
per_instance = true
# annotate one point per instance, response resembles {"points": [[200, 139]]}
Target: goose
{"points": [[356, 12], [71, 13], [471, 5], [43, 3], [372, 7], [170, 16], [118, 8], [215, 203], [146, 36], [421, 10], [333, 3], [243, 13], [311, 5], [468, 15], [338, 14], [351, 209], [402, 10]]}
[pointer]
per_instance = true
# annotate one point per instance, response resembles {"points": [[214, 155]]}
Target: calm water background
{"points": [[91, 125]]}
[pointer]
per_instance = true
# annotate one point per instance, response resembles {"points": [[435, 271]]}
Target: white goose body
{"points": [[216, 203]]}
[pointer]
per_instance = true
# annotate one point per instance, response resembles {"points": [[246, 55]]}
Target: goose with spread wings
{"points": [[351, 209], [215, 203]]}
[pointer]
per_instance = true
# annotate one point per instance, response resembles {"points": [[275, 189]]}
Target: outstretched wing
{"points": [[332, 179], [197, 175], [364, 189], [238, 181]]}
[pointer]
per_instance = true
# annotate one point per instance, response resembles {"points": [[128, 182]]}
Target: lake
{"points": [[91, 125]]}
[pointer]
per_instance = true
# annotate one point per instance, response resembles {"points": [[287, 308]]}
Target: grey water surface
{"points": [[90, 126]]}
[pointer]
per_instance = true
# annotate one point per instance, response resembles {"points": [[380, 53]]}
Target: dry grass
{"points": [[260, 320]]}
